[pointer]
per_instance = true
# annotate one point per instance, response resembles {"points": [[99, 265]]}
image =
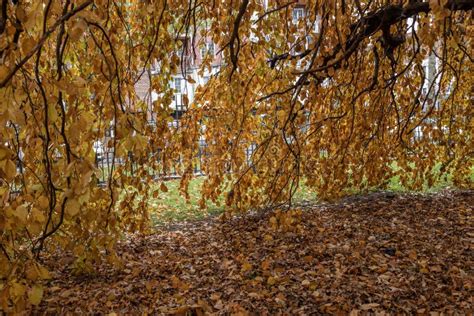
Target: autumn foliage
{"points": [[340, 99]]}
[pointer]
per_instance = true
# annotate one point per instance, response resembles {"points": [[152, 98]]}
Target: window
{"points": [[178, 102], [418, 133], [154, 67], [298, 13], [177, 85], [317, 22], [173, 124], [109, 132], [208, 48]]}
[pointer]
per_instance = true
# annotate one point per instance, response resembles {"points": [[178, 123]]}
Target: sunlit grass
{"points": [[171, 206]]}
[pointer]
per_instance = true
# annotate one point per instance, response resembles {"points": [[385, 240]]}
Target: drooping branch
{"points": [[3, 16], [281, 7], [379, 20], [383, 19], [42, 40], [234, 50]]}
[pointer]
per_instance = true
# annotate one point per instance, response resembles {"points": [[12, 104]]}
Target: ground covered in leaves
{"points": [[382, 252]]}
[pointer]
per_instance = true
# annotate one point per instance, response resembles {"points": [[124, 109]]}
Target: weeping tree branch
{"points": [[3, 15], [42, 40], [234, 50], [381, 19]]}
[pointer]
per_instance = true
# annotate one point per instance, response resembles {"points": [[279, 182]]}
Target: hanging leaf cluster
{"points": [[343, 98]]}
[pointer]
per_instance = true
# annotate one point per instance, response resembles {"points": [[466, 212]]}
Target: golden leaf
{"points": [[246, 266], [21, 213], [271, 281], [4, 71], [17, 289], [9, 169], [27, 45], [43, 272], [35, 295], [73, 207], [77, 29]]}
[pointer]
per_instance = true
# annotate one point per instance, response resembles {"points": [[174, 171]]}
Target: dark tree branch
{"points": [[43, 39], [381, 19], [234, 51], [3, 16], [274, 10]]}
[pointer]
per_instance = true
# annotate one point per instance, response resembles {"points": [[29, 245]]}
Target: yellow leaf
{"points": [[21, 213], [268, 237], [331, 71], [4, 71], [266, 264], [175, 281], [43, 273], [73, 207], [185, 100], [10, 169], [27, 45], [246, 267], [366, 307], [31, 271], [3, 153], [36, 294], [20, 13], [43, 202], [271, 280], [37, 215], [17, 289], [52, 113]]}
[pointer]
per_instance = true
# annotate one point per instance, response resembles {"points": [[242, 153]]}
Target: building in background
{"points": [[202, 48], [193, 59], [198, 49]]}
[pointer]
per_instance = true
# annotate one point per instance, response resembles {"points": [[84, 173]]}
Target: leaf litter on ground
{"points": [[382, 252]]}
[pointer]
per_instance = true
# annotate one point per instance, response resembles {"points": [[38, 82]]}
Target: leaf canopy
{"points": [[343, 96]]}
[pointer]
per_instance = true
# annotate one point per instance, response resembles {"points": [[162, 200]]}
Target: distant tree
{"points": [[342, 95]]}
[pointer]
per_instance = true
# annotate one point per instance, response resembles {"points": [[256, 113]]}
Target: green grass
{"points": [[171, 207], [445, 181]]}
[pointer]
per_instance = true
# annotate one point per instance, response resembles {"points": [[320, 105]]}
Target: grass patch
{"points": [[443, 182], [171, 207]]}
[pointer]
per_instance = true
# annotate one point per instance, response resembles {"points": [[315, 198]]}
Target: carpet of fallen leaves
{"points": [[383, 252]]}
